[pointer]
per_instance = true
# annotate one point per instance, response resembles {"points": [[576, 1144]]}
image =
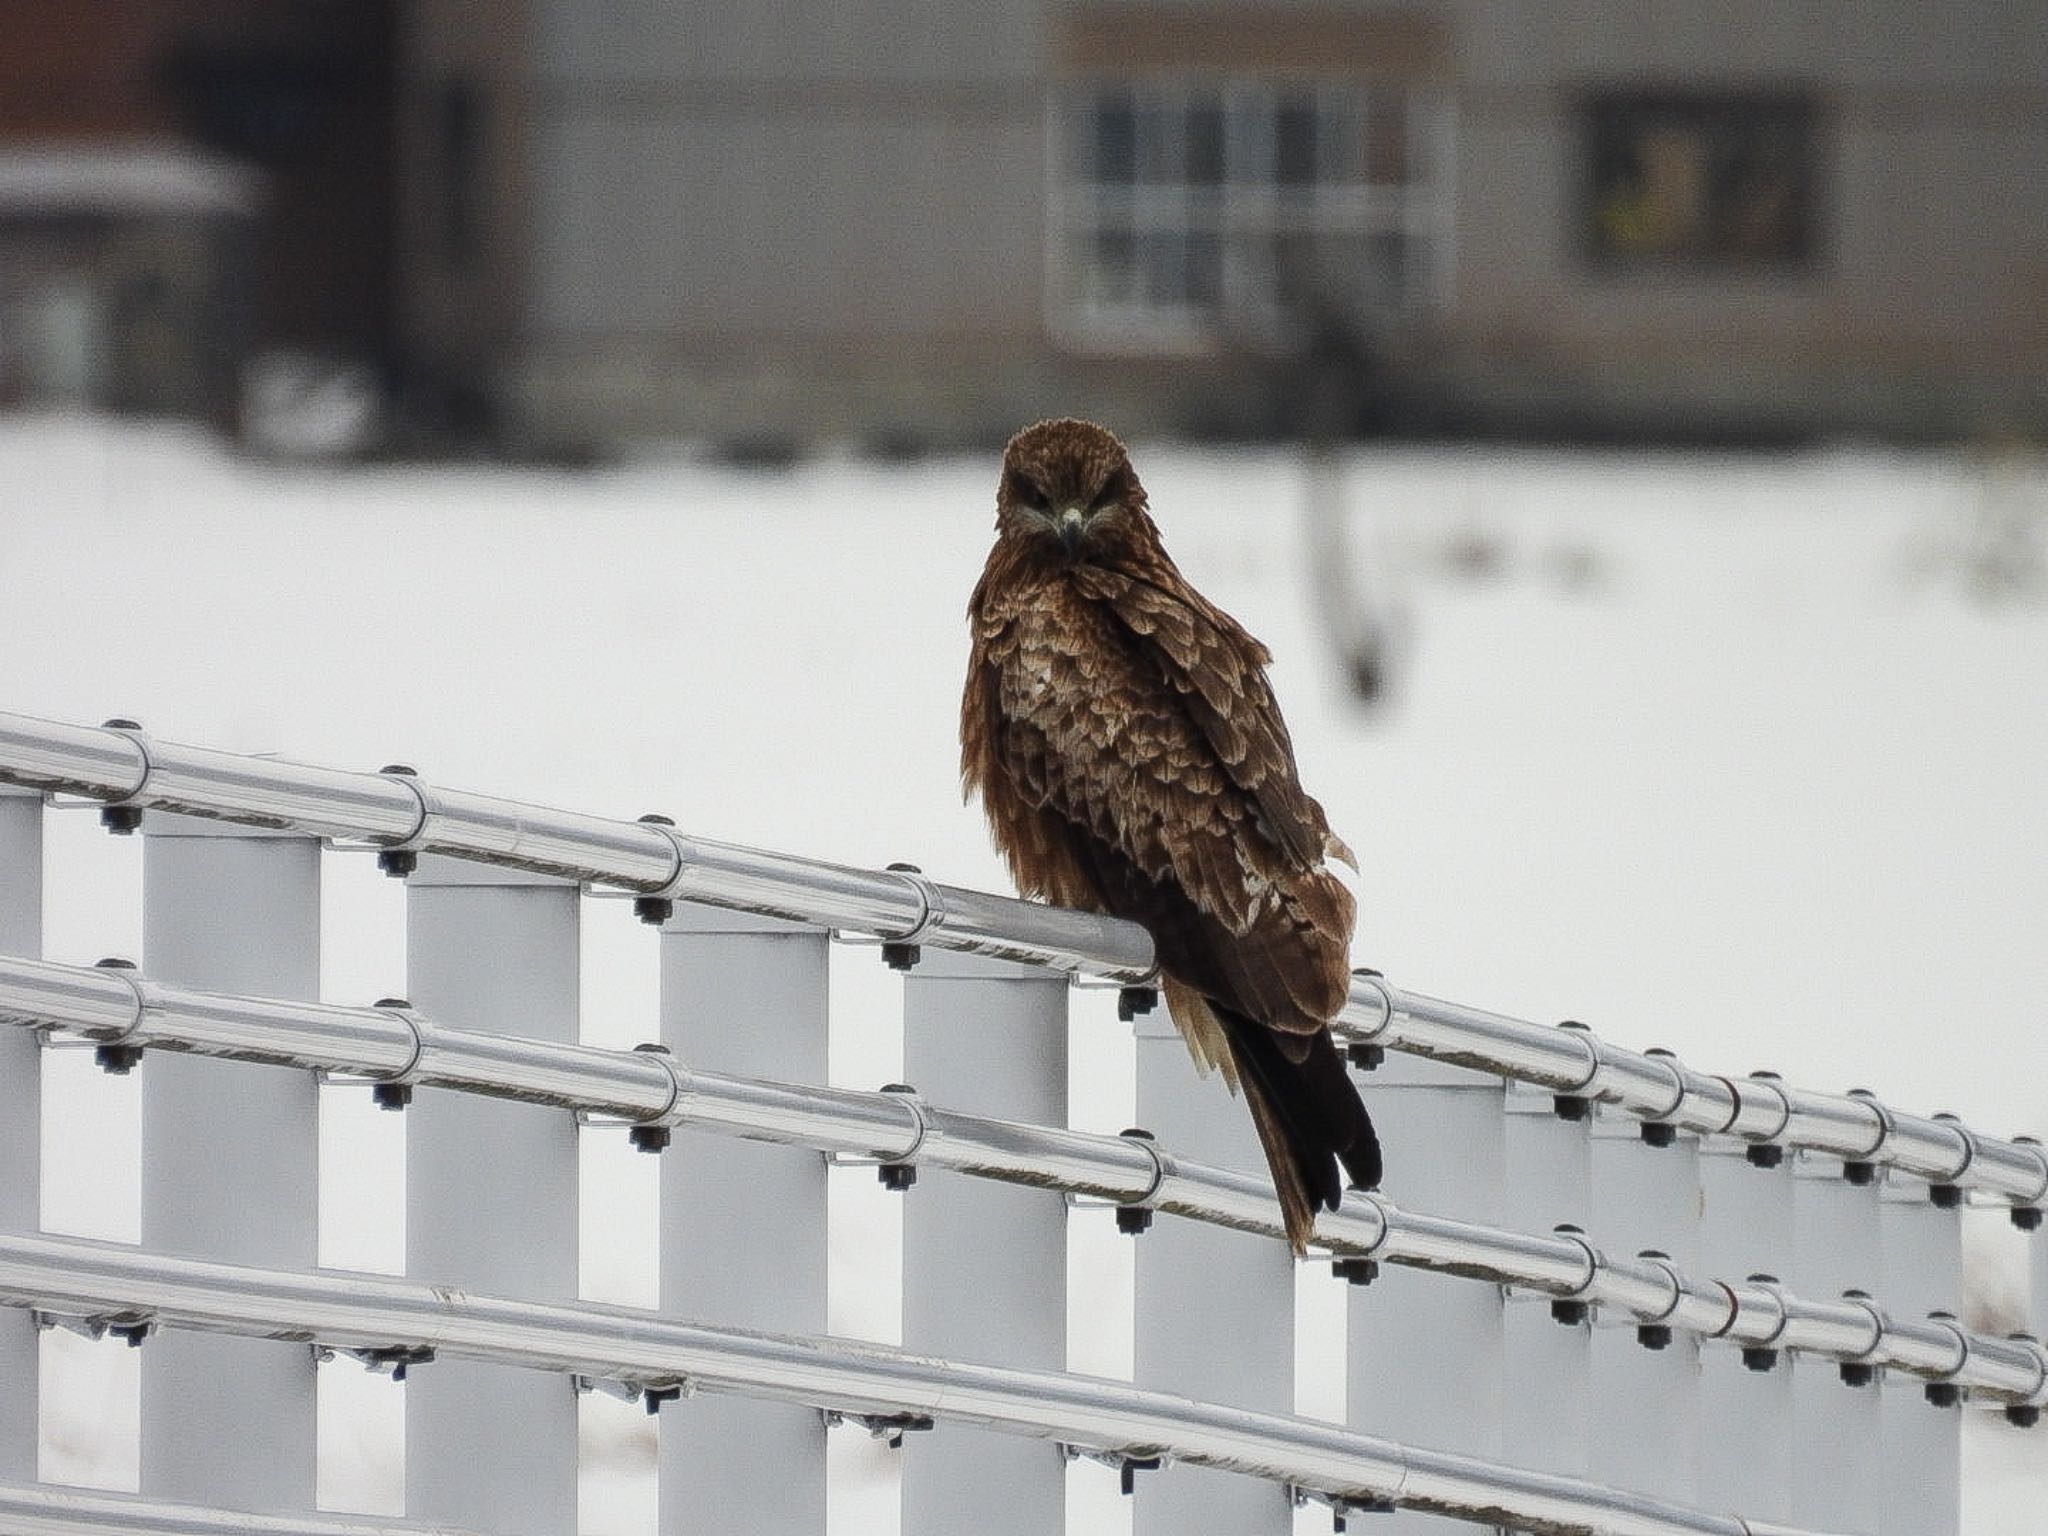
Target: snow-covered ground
{"points": [[1740, 756]]}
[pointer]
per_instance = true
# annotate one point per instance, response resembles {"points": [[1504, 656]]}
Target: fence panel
{"points": [[491, 1197], [985, 1268], [230, 1161], [743, 1222], [1215, 1307], [21, 1120], [1838, 1443], [1746, 1230], [1426, 1356], [1547, 1349], [1646, 1415], [1922, 1273]]}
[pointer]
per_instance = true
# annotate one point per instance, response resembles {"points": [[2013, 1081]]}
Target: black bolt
{"points": [[399, 862], [1128, 1469], [897, 1176], [1855, 1373], [650, 1138], [1133, 1219], [1943, 1394], [1355, 1271], [1861, 1175], [1655, 1133], [1654, 1335], [1570, 1313], [391, 1095], [2023, 1415], [1764, 1155], [113, 963], [1946, 1197], [1569, 1106], [654, 1397], [131, 1334], [118, 1060], [1132, 1001], [1760, 1359], [2026, 1217], [654, 910], [898, 956], [1366, 1056], [121, 819]]}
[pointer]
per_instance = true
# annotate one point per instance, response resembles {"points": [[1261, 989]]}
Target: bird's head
{"points": [[1068, 487]]}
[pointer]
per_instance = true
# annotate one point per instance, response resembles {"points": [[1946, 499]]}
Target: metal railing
{"points": [[395, 1047], [402, 815], [890, 1388]]}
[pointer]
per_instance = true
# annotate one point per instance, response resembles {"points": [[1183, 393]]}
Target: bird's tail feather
{"points": [[1309, 1118]]}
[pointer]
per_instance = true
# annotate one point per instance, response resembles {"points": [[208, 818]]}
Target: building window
{"points": [[1187, 213], [1705, 181]]}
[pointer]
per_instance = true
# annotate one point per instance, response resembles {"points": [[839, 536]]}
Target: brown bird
{"points": [[1120, 730]]}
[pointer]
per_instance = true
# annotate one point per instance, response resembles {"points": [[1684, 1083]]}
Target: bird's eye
{"points": [[1028, 493], [1111, 493]]}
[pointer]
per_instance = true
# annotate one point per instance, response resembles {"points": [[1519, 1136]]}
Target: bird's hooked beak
{"points": [[1073, 522]]}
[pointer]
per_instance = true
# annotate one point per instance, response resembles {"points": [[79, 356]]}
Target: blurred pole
{"points": [[229, 1161], [1548, 1347], [1922, 1466], [491, 1197], [1646, 1382], [743, 1239], [1838, 1443], [21, 1069], [1745, 1394], [1425, 1351], [1215, 1307], [985, 1264]]}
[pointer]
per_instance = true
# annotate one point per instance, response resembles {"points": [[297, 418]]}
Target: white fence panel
{"points": [[1922, 1423], [985, 1267], [1426, 1358], [1215, 1307], [230, 1161], [21, 1120], [491, 1197], [743, 1235]]}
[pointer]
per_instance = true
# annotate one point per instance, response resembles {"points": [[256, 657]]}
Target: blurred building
{"points": [[560, 223], [187, 187], [905, 222]]}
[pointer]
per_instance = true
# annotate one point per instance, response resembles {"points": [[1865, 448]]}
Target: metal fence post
{"points": [[1215, 1307], [1546, 1415], [229, 1161], [1646, 1382], [491, 1197], [1745, 1394], [743, 1223], [1838, 1442], [985, 1265], [1922, 1471], [21, 933], [1425, 1353]]}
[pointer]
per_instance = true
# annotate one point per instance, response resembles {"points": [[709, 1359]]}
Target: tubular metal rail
{"points": [[395, 1047], [101, 1283], [402, 815], [45, 1510]]}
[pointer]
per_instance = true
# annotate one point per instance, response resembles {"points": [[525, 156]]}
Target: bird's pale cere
{"points": [[1128, 750]]}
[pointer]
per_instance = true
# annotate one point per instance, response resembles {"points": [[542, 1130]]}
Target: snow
{"points": [[1735, 755]]}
